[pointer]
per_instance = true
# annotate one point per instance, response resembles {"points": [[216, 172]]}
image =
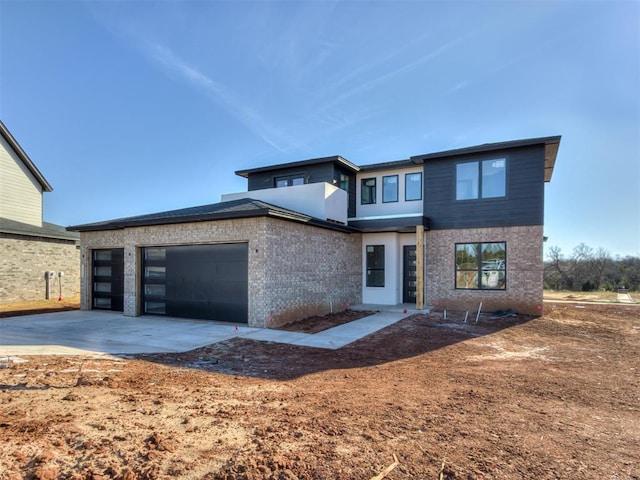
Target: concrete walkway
{"points": [[97, 332]]}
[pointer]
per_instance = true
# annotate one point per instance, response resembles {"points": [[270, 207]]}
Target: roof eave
{"points": [[336, 159], [46, 186], [488, 147]]}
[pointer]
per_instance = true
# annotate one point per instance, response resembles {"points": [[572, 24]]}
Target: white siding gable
{"points": [[20, 191]]}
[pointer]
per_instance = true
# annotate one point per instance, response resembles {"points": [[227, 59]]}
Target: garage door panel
{"points": [[205, 282]]}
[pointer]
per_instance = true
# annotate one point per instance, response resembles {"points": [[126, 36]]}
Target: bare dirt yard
{"points": [[556, 397]]}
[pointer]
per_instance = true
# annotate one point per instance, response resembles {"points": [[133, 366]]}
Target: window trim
{"points": [[406, 175], [479, 162], [374, 269], [478, 270], [397, 177], [371, 188]]}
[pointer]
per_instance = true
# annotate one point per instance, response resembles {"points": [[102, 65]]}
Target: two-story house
{"points": [[453, 228], [38, 260]]}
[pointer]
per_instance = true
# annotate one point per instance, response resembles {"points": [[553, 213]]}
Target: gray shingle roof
{"points": [[47, 230], [241, 208]]}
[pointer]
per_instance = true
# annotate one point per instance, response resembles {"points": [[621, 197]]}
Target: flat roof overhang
{"points": [[335, 159], [399, 225], [551, 145]]}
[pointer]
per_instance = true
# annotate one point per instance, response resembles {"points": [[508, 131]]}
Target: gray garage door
{"points": [[197, 281]]}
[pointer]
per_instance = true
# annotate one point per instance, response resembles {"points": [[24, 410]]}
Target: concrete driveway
{"points": [[97, 332]]}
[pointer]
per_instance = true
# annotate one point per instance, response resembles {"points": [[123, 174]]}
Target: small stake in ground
{"points": [[441, 474], [386, 471], [478, 314]]}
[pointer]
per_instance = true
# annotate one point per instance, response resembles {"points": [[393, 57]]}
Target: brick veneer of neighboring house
{"points": [[524, 269], [295, 270], [23, 264]]}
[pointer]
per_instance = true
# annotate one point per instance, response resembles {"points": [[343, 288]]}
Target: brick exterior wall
{"points": [[295, 270], [524, 269], [25, 260], [310, 271]]}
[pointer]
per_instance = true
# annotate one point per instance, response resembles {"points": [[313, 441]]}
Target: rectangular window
{"points": [[343, 182], [375, 266], [413, 186], [289, 181], [481, 266], [485, 179], [494, 178], [390, 188], [368, 191]]}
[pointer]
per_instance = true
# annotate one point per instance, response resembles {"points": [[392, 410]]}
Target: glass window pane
{"points": [[467, 256], [467, 279], [155, 253], [102, 302], [103, 287], [368, 191], [104, 271], [154, 289], [297, 181], [344, 182], [154, 272], [375, 265], [375, 278], [156, 308], [467, 181], [282, 182], [390, 188], [494, 178], [375, 256], [413, 186], [102, 255], [493, 269]]}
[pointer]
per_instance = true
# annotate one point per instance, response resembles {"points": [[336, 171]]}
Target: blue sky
{"points": [[131, 107]]}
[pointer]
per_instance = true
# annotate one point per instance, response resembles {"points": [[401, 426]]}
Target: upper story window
{"points": [[368, 191], [390, 188], [343, 182], [289, 181], [413, 186], [483, 179]]}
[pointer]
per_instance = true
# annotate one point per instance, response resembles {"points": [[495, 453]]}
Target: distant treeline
{"points": [[589, 270]]}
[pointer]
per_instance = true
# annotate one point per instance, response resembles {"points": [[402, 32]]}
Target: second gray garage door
{"points": [[197, 281]]}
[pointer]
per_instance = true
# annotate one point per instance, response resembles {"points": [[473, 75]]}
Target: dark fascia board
{"points": [[374, 167], [551, 150], [401, 224], [25, 158], [336, 159], [169, 218]]}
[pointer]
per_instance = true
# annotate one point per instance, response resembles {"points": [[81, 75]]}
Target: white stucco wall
{"points": [[319, 200], [391, 293], [378, 209]]}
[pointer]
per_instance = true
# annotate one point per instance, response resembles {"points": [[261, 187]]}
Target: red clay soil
{"points": [[508, 398]]}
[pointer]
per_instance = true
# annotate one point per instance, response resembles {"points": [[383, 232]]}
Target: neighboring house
{"points": [[35, 256], [453, 228]]}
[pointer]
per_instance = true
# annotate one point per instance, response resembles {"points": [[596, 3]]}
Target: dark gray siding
{"points": [[523, 205], [319, 173], [323, 172]]}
